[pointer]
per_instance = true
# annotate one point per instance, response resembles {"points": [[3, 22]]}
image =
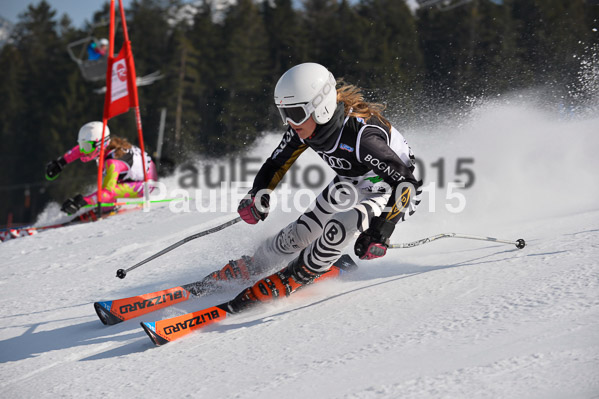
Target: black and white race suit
{"points": [[375, 176]]}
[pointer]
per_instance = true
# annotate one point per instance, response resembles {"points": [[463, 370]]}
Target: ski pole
{"points": [[121, 273], [106, 204], [519, 243]]}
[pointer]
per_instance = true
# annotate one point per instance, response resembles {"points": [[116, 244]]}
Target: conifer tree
{"points": [[551, 33], [321, 28], [468, 50], [184, 83], [393, 53], [286, 43], [350, 42], [11, 104], [208, 43], [244, 78]]}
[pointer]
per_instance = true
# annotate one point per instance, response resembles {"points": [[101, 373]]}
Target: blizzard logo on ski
{"points": [[382, 166], [346, 147], [132, 307], [193, 322]]}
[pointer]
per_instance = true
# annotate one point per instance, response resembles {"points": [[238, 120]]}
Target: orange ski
{"points": [[167, 330], [118, 310], [113, 312]]}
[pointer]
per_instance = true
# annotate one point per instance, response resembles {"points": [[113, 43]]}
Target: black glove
{"points": [[373, 242], [251, 212], [53, 168], [72, 205]]}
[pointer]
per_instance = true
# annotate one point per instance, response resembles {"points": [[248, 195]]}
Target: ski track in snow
{"points": [[450, 319]]}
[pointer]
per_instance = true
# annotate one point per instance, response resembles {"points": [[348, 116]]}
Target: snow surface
{"points": [[451, 319]]}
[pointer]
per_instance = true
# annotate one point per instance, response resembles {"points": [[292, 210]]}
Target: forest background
{"points": [[220, 68]]}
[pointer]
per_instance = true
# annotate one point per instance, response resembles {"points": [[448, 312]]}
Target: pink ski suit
{"points": [[123, 177]]}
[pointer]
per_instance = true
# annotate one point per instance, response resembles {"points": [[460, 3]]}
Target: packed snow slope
{"points": [[450, 319]]}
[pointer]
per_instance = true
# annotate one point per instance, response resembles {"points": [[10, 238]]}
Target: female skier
{"points": [[374, 188], [123, 173]]}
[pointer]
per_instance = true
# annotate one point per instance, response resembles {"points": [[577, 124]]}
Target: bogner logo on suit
{"points": [[386, 169]]}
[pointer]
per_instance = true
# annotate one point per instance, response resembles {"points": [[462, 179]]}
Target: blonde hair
{"points": [[119, 145], [353, 100]]}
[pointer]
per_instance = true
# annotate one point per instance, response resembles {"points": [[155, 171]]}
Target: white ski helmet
{"points": [[89, 139], [304, 90], [104, 42]]}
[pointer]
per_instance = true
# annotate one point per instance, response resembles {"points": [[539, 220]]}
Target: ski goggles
{"points": [[87, 147], [296, 114]]}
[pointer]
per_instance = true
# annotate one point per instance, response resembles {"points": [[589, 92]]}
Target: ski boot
{"points": [[235, 270], [284, 282]]}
